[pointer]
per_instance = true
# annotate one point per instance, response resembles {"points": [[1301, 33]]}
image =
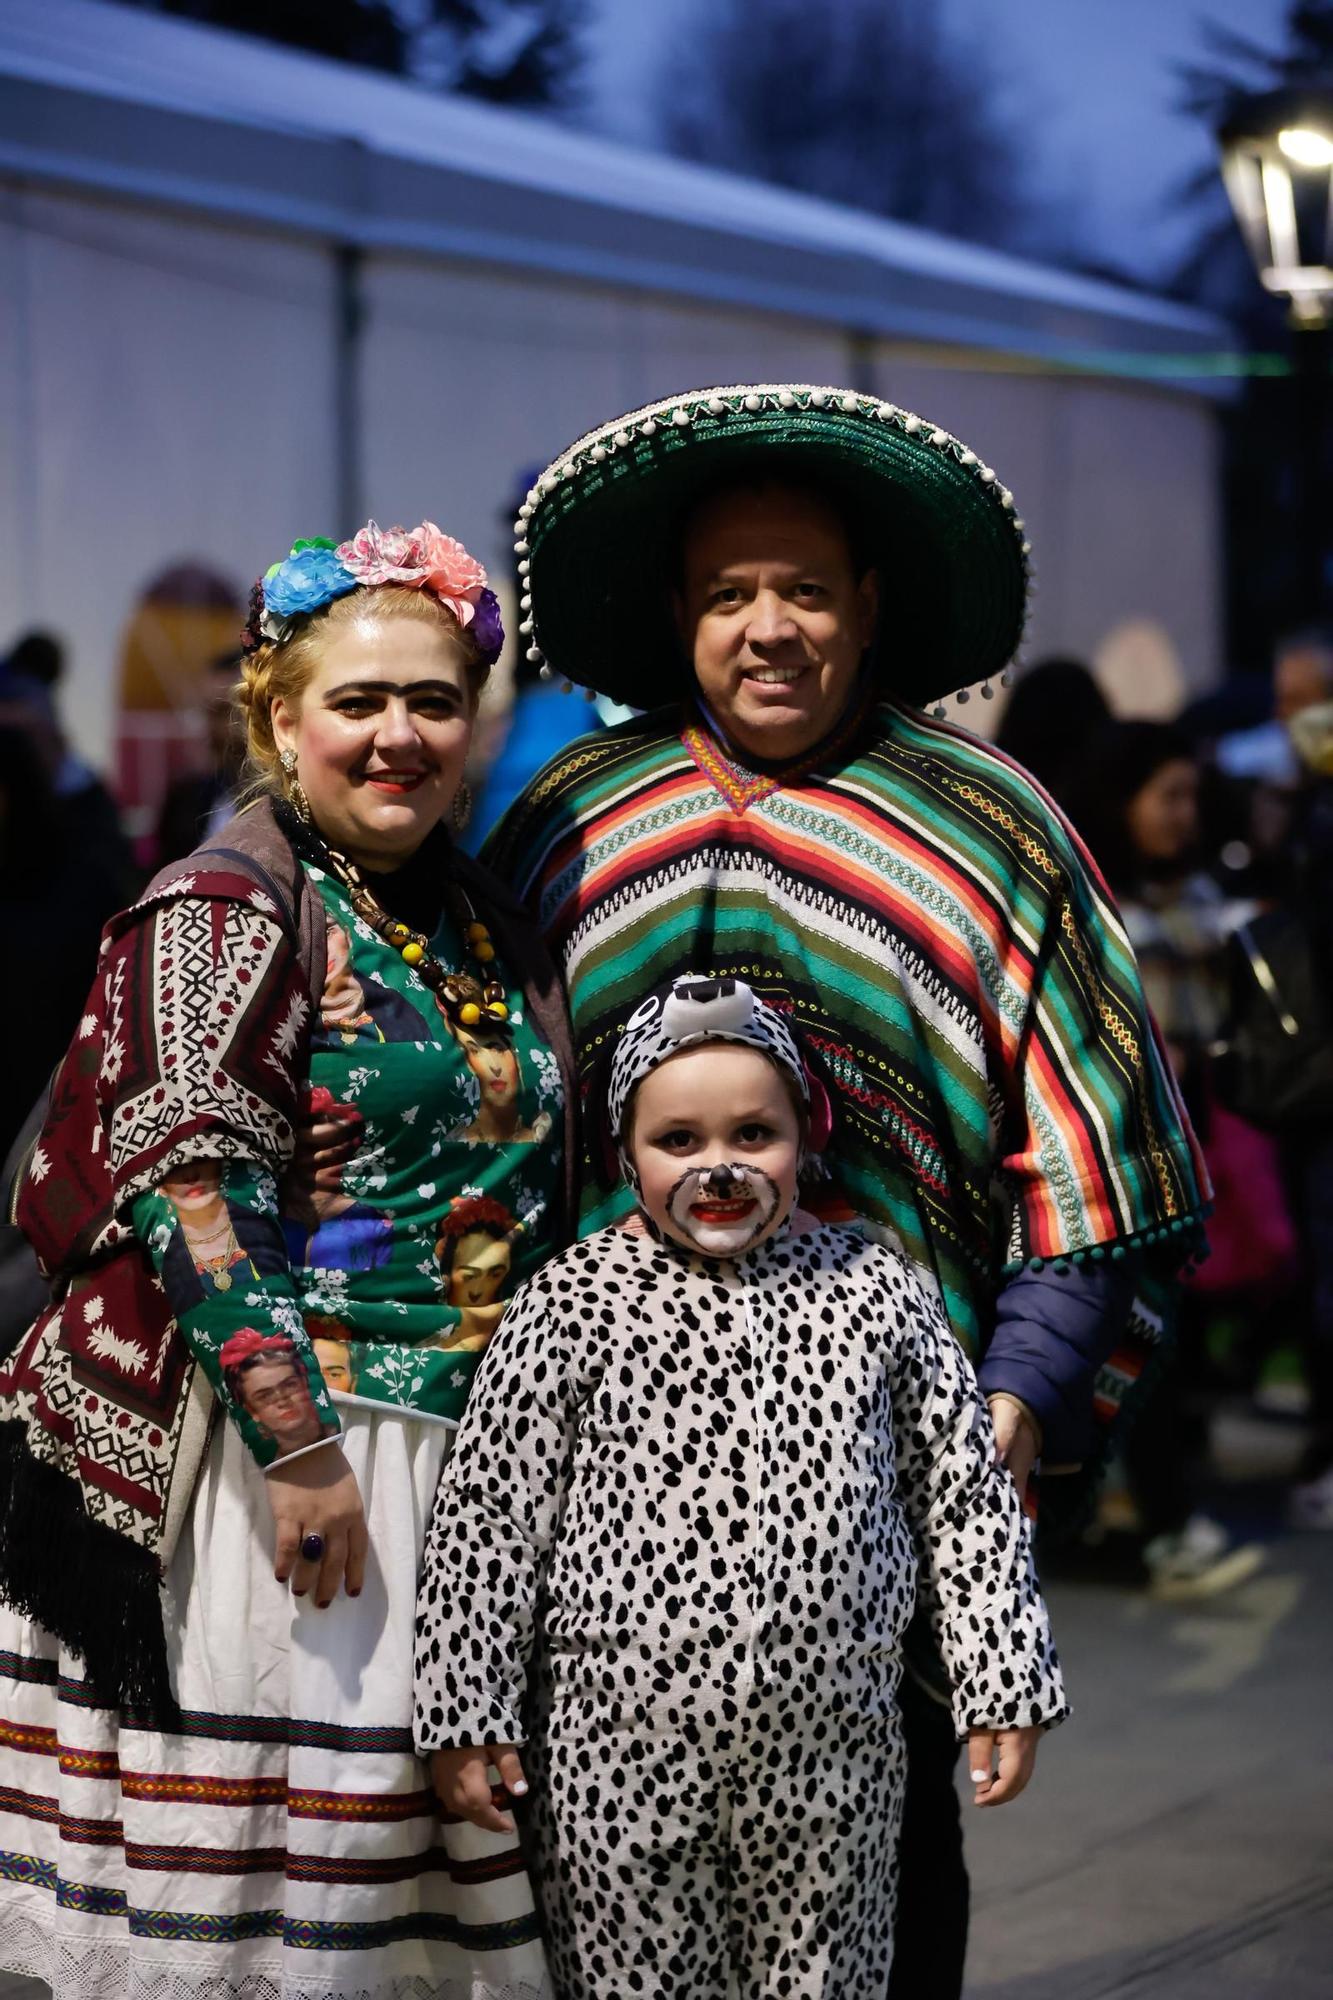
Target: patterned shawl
{"points": [[191, 1046]]}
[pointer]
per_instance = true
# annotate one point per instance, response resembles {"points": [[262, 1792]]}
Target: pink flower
{"points": [[451, 571], [421, 558], [384, 555]]}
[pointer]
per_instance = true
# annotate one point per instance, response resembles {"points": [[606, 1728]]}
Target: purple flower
{"points": [[487, 627], [252, 632]]}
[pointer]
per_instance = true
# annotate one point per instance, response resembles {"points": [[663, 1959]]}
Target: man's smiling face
{"points": [[774, 616]]}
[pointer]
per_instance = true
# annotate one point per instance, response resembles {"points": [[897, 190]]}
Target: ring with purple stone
{"points": [[312, 1548]]}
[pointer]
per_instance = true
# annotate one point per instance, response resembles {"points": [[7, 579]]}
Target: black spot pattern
{"points": [[708, 1492]]}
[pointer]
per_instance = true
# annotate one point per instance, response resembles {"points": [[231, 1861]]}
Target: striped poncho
{"points": [[938, 936]]}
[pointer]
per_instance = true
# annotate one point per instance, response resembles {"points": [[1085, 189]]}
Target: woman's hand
{"points": [[1016, 1752], [322, 1147], [463, 1785], [318, 1495], [1017, 1441]]}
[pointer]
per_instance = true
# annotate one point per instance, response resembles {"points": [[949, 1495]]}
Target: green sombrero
{"points": [[598, 534]]}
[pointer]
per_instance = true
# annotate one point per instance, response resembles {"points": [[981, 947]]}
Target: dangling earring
{"points": [[461, 810], [296, 797]]}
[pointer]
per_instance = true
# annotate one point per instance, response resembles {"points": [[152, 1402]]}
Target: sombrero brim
{"points": [[599, 535]]}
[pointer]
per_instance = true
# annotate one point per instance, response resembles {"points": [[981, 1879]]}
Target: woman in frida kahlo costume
{"points": [[208, 1547]]}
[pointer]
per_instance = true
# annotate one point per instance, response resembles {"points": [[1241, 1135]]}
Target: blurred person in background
{"points": [[55, 895], [1055, 710], [1254, 772], [1308, 1150], [1302, 678], [200, 803], [543, 717], [30, 679], [1140, 815]]}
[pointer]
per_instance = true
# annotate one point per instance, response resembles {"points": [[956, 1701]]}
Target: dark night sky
{"points": [[1091, 81]]}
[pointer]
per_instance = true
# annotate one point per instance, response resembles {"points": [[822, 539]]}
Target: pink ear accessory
{"points": [[821, 1112]]}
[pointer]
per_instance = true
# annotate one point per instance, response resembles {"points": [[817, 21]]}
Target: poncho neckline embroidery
{"points": [[742, 785]]}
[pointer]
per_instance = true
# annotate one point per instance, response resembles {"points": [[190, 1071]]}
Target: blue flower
{"points": [[310, 577]]}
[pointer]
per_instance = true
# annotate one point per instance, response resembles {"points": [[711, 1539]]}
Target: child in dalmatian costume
{"points": [[703, 1473]]}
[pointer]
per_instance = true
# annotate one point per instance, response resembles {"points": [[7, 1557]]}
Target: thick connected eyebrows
{"points": [[385, 688]]}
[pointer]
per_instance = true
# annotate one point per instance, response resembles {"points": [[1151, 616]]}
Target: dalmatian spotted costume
{"points": [[704, 1491]]}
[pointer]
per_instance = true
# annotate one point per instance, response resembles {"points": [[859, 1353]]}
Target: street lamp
{"points": [[1277, 162]]}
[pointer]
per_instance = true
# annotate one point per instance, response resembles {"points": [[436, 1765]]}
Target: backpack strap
{"points": [[1267, 980]]}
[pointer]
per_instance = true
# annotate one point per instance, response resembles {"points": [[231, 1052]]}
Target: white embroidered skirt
{"points": [[284, 1844]]}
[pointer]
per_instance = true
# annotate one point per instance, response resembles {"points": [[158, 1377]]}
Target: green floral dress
{"points": [[383, 1285]]}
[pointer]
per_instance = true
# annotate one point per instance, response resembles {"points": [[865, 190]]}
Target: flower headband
{"points": [[422, 558]]}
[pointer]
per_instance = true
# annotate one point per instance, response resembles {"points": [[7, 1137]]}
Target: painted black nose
{"points": [[721, 1182]]}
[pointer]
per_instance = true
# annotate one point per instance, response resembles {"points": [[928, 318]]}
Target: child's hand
{"points": [[1017, 1442], [1016, 1750], [463, 1786]]}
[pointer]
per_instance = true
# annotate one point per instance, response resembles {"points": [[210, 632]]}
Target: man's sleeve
{"points": [[1054, 1330], [1095, 1146]]}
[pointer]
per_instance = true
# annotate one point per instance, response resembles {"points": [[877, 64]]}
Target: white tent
{"points": [[249, 294]]}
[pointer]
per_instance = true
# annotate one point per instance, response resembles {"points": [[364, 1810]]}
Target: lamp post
{"points": [[1277, 162]]}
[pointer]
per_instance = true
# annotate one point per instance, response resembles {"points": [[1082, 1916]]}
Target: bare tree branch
{"points": [[870, 103], [519, 52]]}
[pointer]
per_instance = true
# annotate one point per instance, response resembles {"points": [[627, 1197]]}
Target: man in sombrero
{"points": [[784, 579]]}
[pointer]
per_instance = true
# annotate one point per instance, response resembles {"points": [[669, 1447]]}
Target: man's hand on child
{"points": [[1015, 1752], [462, 1781]]}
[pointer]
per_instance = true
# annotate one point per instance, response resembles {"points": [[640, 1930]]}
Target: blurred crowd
{"points": [[1214, 830]]}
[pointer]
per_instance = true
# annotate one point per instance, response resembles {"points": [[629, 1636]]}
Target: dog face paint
{"points": [[723, 1210], [715, 1147]]}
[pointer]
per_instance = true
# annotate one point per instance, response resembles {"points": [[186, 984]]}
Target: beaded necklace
{"points": [[413, 947]]}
